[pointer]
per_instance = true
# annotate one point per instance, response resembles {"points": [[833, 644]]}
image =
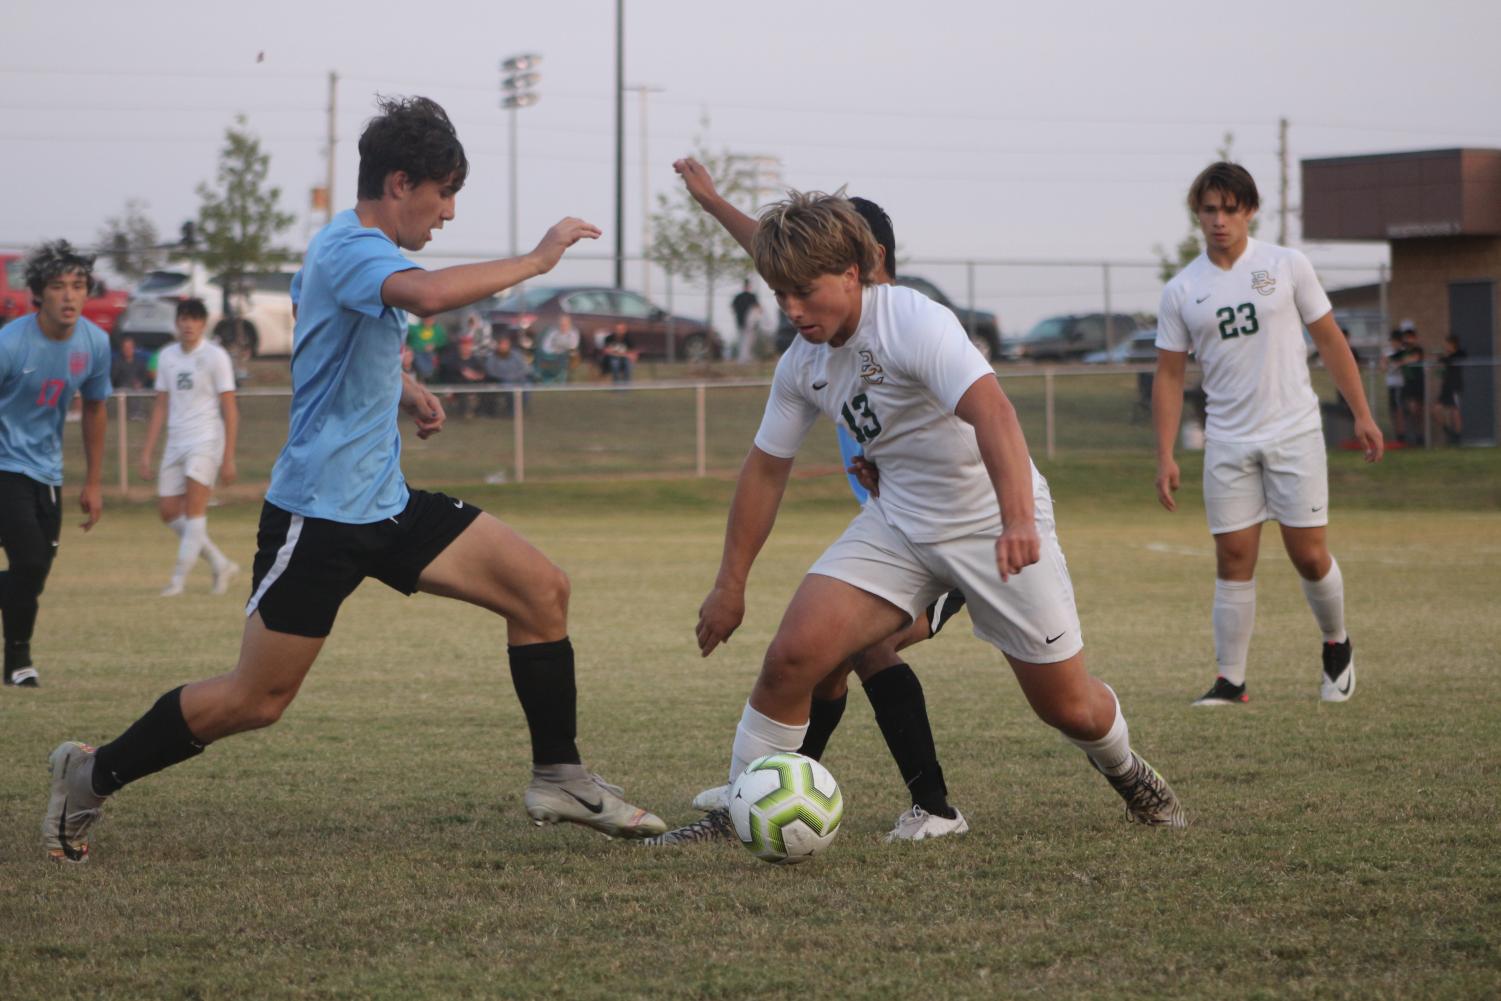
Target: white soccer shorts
{"points": [[199, 463], [1287, 481], [1030, 617]]}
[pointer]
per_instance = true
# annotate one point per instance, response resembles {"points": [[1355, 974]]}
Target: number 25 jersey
{"points": [[1245, 324]]}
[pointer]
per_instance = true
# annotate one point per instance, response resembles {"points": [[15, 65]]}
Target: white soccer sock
{"points": [[212, 554], [1327, 599], [1112, 752], [1234, 618], [757, 735], [194, 533], [178, 525]]}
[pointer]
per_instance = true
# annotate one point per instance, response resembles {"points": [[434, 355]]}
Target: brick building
{"points": [[1440, 212]]}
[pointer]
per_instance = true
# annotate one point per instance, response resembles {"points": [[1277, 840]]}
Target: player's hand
{"points": [[91, 502], [718, 618], [147, 471], [1018, 547], [228, 471], [425, 410], [558, 239], [700, 185], [1370, 437], [866, 474], [1167, 483]]}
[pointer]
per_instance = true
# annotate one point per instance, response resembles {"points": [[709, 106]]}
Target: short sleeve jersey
{"points": [[193, 381], [38, 377], [1245, 324], [894, 386], [342, 459]]}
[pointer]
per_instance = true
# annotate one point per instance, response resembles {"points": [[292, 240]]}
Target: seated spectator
{"points": [[508, 367], [557, 350], [619, 355], [484, 341], [426, 338], [458, 366], [130, 370]]}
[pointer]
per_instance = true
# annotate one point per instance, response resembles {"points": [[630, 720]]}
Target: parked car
{"points": [[103, 306], [596, 310], [263, 302], [981, 324], [1068, 337], [1138, 349]]}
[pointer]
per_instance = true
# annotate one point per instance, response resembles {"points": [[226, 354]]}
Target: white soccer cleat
{"points": [[592, 802], [918, 824], [1149, 799], [223, 575], [717, 798], [73, 807], [173, 589]]}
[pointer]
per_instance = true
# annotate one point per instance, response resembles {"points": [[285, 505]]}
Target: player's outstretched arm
{"points": [[701, 187], [95, 423], [425, 293], [1339, 360], [1003, 448], [758, 494], [1167, 412]]}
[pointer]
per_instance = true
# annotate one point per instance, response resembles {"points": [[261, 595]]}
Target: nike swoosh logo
{"points": [[459, 505], [1318, 509], [591, 807], [1202, 298], [820, 384], [1050, 639], [1345, 688], [27, 371]]}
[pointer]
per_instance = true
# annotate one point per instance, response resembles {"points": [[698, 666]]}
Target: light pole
{"points": [[643, 90], [516, 92]]}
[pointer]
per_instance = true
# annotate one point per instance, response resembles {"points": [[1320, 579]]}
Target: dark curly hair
{"points": [[413, 135], [880, 227], [51, 261]]}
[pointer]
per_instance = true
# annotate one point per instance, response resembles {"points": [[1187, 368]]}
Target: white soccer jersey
{"points": [[894, 385], [1246, 326], [193, 381]]}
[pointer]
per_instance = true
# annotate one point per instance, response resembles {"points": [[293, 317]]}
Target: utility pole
{"points": [[1282, 182], [642, 90], [620, 143], [762, 173], [333, 98]]}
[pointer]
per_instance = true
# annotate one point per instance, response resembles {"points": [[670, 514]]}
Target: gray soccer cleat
{"points": [[1149, 799], [918, 824], [74, 806], [592, 802], [713, 826], [717, 798], [223, 575]]}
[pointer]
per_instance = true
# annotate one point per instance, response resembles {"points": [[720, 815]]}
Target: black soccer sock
{"points": [[902, 714], [20, 587], [543, 676], [157, 740], [823, 717]]}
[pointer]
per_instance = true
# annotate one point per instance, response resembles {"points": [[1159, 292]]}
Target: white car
{"points": [[263, 302]]}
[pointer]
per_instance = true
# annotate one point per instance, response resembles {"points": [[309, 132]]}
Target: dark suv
{"points": [[1069, 337], [596, 311]]}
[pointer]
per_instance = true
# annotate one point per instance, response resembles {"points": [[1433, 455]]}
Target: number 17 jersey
{"points": [[1245, 325]]}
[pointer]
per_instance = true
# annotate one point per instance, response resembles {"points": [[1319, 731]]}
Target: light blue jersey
{"points": [[848, 450], [342, 460], [38, 377]]}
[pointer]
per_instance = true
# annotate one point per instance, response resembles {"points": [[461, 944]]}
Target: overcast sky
{"points": [[988, 130]]}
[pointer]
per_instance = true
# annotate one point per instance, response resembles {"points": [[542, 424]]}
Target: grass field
{"points": [[373, 843]]}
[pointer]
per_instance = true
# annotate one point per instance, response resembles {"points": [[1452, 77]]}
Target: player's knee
{"points": [[1074, 719], [549, 595], [785, 668]]}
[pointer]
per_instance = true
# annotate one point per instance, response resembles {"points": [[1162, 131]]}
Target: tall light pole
{"points": [[620, 143], [516, 92], [642, 90]]}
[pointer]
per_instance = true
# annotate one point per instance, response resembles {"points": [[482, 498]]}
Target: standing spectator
{"points": [[1412, 384], [508, 367], [747, 321], [477, 327], [458, 366], [1392, 363], [1450, 387], [426, 338], [130, 370], [619, 354], [557, 350]]}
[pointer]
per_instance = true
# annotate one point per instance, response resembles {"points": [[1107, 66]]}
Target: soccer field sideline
{"points": [[374, 844]]}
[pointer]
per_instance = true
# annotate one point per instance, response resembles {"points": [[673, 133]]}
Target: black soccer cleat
{"points": [[23, 677], [1337, 683], [1223, 693]]}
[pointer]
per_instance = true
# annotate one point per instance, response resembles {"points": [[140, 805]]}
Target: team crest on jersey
{"points": [[1263, 282], [870, 373], [78, 362]]}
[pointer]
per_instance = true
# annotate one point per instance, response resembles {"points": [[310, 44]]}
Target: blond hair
{"points": [[809, 234]]}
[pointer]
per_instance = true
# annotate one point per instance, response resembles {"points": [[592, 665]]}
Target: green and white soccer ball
{"points": [[786, 808]]}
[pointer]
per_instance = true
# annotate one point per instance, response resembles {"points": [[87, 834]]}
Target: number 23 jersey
{"points": [[894, 386], [1245, 324]]}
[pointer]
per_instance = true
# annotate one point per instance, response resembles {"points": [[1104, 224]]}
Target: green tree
{"points": [[130, 242], [239, 218], [687, 242], [1190, 246]]}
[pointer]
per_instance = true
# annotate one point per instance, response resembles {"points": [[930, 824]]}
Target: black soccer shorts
{"points": [[306, 567]]}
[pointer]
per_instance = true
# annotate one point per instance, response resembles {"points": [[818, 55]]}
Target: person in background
{"points": [[1450, 387], [426, 337], [1413, 375], [508, 367], [1391, 363], [557, 350], [130, 370], [619, 354], [747, 309], [459, 366]]}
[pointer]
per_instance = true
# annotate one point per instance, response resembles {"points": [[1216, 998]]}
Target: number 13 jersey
{"points": [[1245, 324], [894, 386]]}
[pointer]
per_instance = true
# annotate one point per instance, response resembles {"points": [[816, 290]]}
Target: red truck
{"points": [[104, 305]]}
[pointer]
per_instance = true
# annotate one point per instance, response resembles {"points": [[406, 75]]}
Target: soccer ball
{"points": [[786, 808]]}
